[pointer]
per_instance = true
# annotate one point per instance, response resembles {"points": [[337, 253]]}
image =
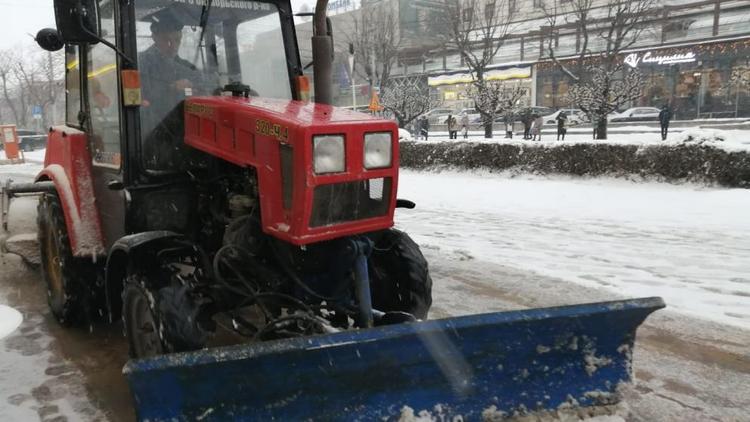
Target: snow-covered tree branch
{"points": [[407, 102], [600, 83], [376, 42], [477, 30]]}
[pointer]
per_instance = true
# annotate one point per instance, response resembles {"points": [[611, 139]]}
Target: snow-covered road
{"points": [[688, 244]]}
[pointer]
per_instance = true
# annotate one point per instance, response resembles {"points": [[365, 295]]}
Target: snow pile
{"points": [[404, 135], [703, 137], [10, 319]]}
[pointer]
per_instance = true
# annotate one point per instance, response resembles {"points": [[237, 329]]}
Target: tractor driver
{"points": [[166, 77]]}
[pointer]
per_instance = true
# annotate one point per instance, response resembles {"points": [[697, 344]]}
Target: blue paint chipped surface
{"points": [[465, 364]]}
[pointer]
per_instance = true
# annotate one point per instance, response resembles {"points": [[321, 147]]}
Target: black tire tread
{"points": [[75, 271], [399, 274]]}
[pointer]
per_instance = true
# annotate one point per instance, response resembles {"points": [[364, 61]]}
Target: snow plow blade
{"points": [[480, 367]]}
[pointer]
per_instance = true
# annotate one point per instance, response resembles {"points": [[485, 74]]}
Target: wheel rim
{"points": [[54, 269], [144, 332]]}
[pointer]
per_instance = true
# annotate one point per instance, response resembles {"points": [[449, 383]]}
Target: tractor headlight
{"points": [[328, 154], [377, 150]]}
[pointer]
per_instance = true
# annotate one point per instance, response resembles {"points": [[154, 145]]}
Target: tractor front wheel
{"points": [[399, 277], [66, 277], [141, 320]]}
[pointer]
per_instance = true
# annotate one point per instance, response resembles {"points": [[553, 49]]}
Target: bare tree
{"points": [[600, 80], [407, 101], [8, 62], [376, 42], [477, 29], [40, 78]]}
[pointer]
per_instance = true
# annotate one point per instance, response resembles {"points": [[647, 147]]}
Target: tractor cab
{"points": [[220, 208]]}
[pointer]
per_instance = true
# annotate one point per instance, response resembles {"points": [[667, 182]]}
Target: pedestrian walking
{"points": [[452, 127], [416, 127], [562, 125], [665, 115], [526, 119], [465, 125], [508, 120], [536, 127], [425, 127]]}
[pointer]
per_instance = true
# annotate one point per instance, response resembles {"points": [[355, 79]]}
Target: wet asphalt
{"points": [[48, 372]]}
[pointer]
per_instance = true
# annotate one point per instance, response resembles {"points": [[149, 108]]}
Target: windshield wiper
{"points": [[205, 12]]}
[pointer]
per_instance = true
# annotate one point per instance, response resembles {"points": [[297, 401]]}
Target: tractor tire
{"points": [[161, 320], [399, 276], [67, 277], [141, 321]]}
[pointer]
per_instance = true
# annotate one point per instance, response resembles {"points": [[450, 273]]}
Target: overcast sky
{"points": [[23, 17]]}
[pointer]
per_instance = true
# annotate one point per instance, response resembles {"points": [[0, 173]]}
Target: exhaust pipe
{"points": [[322, 49]]}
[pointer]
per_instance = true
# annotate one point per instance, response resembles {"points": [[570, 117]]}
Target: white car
{"points": [[636, 114], [575, 117], [438, 115], [473, 114]]}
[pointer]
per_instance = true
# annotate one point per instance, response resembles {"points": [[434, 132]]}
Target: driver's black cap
{"points": [[164, 21]]}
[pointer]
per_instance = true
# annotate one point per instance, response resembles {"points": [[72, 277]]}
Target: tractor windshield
{"points": [[196, 47]]}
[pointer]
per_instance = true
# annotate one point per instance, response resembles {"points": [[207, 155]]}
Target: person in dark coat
{"points": [[425, 127], [526, 119], [665, 115], [562, 125], [452, 127]]}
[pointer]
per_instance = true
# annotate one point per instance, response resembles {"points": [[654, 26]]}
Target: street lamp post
{"points": [[351, 72]]}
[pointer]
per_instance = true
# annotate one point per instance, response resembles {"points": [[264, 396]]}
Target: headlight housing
{"points": [[378, 150], [328, 154]]}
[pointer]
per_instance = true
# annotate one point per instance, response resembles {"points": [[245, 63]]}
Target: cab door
{"points": [[104, 127]]}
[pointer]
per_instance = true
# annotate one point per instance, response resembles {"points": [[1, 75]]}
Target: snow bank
{"points": [[689, 244], [10, 319], [697, 156]]}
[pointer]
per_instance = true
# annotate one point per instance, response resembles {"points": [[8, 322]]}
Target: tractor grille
{"points": [[350, 201]]}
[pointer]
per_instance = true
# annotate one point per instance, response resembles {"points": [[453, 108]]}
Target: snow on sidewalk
{"points": [[729, 140], [688, 244]]}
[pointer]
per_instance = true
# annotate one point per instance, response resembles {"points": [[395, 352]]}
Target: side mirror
{"points": [[49, 39], [78, 21]]}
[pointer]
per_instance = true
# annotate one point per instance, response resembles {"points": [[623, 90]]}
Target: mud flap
{"points": [[477, 367]]}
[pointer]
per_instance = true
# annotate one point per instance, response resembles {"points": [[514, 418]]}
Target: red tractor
{"points": [[185, 203], [197, 195]]}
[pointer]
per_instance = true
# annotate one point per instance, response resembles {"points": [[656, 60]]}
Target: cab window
{"points": [[104, 94], [72, 86], [197, 49]]}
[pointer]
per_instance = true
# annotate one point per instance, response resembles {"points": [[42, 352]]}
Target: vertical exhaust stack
{"points": [[322, 49]]}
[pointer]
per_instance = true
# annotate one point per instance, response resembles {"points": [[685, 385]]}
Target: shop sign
{"points": [[634, 59]]}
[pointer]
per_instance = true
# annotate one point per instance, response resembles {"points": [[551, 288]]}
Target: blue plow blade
{"points": [[496, 364]]}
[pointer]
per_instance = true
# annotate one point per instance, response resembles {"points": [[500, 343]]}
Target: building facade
{"points": [[700, 42]]}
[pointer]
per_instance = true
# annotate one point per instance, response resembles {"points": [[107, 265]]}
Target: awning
{"points": [[521, 72]]}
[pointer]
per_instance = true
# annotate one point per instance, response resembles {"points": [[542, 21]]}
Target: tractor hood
{"points": [[288, 143]]}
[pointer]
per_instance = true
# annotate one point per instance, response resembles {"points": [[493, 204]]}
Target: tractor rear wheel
{"points": [[399, 277], [141, 320], [66, 277]]}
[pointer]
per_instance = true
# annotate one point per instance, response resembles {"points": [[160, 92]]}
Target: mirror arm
{"points": [[105, 42]]}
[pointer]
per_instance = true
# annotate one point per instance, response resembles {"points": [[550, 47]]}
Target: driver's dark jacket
{"points": [[162, 124], [158, 75]]}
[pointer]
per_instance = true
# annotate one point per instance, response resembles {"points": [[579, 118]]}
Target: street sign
{"points": [[36, 111], [10, 141]]}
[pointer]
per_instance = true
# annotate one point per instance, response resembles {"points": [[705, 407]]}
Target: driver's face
{"points": [[168, 43]]}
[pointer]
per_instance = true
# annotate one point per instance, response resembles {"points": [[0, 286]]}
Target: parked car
{"points": [[438, 115], [473, 114], [636, 114], [575, 117], [29, 140]]}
